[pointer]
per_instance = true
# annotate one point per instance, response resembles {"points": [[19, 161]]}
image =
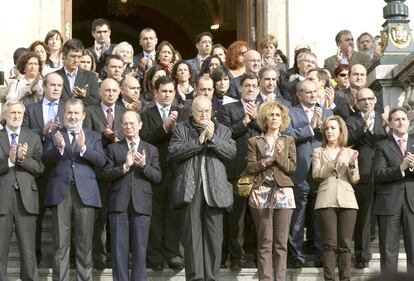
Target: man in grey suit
{"points": [[41, 118], [346, 54], [203, 42], [77, 82], [20, 158], [72, 192]]}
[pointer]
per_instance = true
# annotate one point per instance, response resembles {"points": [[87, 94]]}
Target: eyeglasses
{"points": [[343, 74], [366, 99]]}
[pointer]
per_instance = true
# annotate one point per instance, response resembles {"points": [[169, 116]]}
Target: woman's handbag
{"points": [[244, 185]]}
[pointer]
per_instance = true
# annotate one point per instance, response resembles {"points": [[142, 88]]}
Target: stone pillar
{"points": [[388, 76], [276, 22]]}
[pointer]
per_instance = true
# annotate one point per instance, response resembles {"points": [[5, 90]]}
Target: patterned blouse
{"points": [[269, 194]]}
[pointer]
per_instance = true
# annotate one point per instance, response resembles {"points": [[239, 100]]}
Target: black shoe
{"points": [[99, 265], [235, 264], [361, 264], [295, 264], [176, 266], [157, 267]]}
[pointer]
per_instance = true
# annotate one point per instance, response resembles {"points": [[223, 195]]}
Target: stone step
{"points": [[304, 274]]}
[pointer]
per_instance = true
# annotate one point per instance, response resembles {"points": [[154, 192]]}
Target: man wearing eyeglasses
{"points": [[102, 48], [365, 130]]}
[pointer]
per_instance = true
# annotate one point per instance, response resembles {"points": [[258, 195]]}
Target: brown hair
{"points": [[343, 131], [266, 109], [23, 59]]}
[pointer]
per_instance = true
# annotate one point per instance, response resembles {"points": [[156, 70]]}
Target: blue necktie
{"points": [[51, 112], [14, 139]]}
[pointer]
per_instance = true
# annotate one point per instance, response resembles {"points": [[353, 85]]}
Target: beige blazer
{"points": [[336, 181]]}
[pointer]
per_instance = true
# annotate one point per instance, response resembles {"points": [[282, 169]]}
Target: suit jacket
{"points": [[135, 185], [100, 63], [357, 58], [232, 116], [95, 120], [23, 172], [365, 142], [234, 91], [195, 66], [284, 163], [71, 167], [153, 132], [82, 78], [391, 186], [336, 181], [33, 117], [305, 140]]}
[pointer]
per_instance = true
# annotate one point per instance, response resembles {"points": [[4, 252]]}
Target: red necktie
{"points": [[109, 117], [401, 144]]}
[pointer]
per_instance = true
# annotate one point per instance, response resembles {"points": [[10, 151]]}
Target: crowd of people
{"points": [[148, 149]]}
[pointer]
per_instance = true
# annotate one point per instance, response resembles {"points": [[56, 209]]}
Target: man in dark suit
{"points": [[148, 41], [203, 42], [20, 158], [346, 53], [199, 146], [394, 191], [158, 121], [102, 48], [132, 167], [77, 82], [365, 130], [72, 191], [114, 67], [42, 118], [130, 93], [240, 118], [304, 127], [104, 119], [269, 76]]}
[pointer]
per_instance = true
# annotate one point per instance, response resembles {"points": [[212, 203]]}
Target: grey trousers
{"points": [[72, 211]]}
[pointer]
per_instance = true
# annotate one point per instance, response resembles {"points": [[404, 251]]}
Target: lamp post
{"points": [[397, 40]]}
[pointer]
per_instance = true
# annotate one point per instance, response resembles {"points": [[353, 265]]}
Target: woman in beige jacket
{"points": [[335, 166]]}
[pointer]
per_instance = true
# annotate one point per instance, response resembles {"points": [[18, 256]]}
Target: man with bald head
{"points": [[130, 93], [365, 130], [199, 147], [104, 119], [253, 63]]}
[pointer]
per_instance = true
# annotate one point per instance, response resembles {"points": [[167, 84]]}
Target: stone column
{"points": [[276, 22]]}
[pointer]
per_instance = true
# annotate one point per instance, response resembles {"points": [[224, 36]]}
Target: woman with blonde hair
{"points": [[335, 166], [126, 52], [271, 157]]}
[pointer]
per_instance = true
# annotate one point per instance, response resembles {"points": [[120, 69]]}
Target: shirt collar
{"points": [[71, 74], [159, 106], [10, 131], [46, 101], [104, 107], [405, 137]]}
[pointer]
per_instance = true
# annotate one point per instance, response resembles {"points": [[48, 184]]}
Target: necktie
{"points": [[219, 102], [401, 144], [14, 139], [149, 61], [73, 143], [130, 106], [14, 143], [132, 145], [109, 117], [164, 113], [51, 111]]}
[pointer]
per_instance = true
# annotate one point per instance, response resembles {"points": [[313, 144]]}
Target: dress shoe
{"points": [[295, 264], [235, 264], [157, 267], [361, 264], [99, 265], [176, 266]]}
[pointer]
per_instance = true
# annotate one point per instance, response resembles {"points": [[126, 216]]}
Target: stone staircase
{"points": [[248, 273]]}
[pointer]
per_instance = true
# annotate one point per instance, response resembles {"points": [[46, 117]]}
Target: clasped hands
{"points": [[80, 140], [408, 161], [208, 132]]}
